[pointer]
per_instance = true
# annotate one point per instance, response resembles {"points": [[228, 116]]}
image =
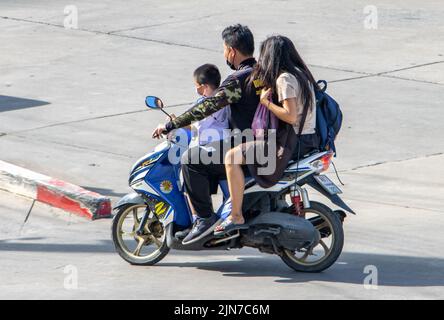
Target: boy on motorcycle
{"points": [[213, 128]]}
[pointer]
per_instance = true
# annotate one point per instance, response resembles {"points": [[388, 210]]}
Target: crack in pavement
{"points": [[386, 74], [74, 146], [338, 69], [414, 80], [166, 23], [89, 119], [349, 171], [158, 41], [411, 67], [390, 161], [114, 33], [110, 34], [353, 78], [392, 204]]}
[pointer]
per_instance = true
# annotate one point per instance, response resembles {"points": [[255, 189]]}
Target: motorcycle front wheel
{"points": [[146, 248], [329, 248]]}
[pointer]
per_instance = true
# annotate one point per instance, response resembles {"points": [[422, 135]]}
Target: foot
{"points": [[201, 228], [231, 223], [180, 235]]}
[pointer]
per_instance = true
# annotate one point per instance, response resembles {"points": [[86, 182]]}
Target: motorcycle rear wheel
{"points": [[153, 235], [330, 227]]}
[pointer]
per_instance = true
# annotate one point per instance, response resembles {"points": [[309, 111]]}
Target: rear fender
{"points": [[335, 199]]}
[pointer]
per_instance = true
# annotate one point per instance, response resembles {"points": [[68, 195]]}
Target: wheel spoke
{"points": [[129, 234], [305, 256], [322, 225], [326, 249], [139, 247], [136, 219], [157, 242]]}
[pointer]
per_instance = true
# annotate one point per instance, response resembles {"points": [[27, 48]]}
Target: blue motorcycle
{"points": [[307, 235]]}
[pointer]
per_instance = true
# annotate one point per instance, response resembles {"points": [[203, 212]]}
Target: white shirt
{"points": [[288, 87], [212, 128]]}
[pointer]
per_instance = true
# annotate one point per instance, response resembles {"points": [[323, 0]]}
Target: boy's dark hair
{"points": [[240, 38], [208, 74]]}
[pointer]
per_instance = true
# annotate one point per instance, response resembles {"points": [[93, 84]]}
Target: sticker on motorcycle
{"points": [[166, 186], [160, 209]]}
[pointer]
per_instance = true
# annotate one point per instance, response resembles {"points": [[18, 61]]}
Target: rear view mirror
{"points": [[153, 102]]}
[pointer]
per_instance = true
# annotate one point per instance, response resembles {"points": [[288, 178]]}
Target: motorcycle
{"points": [[307, 235]]}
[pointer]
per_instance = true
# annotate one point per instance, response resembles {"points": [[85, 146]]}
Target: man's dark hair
{"points": [[240, 38], [207, 74]]}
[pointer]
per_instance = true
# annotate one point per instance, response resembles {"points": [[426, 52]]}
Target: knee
{"points": [[229, 158], [233, 157]]}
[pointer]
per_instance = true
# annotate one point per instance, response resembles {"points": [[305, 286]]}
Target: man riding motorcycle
{"points": [[243, 98]]}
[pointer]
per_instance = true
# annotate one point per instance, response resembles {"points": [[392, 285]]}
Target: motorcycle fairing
{"points": [[162, 183]]}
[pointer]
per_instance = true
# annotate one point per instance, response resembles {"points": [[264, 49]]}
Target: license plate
{"points": [[327, 184]]}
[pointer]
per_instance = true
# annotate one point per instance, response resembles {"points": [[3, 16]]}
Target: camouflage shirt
{"points": [[236, 91]]}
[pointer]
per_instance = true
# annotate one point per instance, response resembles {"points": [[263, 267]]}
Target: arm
{"points": [[173, 116], [286, 113]]}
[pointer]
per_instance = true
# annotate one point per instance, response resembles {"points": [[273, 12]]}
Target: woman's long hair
{"points": [[277, 55]]}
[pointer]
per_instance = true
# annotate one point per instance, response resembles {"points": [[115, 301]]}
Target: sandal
{"points": [[227, 226]]}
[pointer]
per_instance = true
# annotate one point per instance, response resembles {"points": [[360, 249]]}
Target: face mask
{"points": [[200, 88], [231, 65]]}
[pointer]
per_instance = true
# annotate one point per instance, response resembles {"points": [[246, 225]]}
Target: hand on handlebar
{"points": [[159, 131]]}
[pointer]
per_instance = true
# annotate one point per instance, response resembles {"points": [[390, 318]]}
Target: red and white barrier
{"points": [[54, 192]]}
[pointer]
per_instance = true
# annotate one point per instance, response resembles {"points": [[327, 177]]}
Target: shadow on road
{"points": [[402, 271], [105, 192], [8, 103], [393, 270], [16, 246]]}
